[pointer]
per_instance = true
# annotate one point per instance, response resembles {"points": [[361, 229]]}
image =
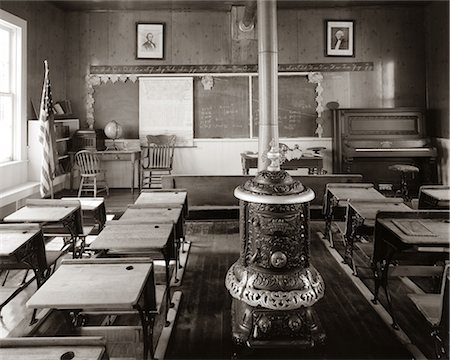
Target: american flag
{"points": [[47, 138]]}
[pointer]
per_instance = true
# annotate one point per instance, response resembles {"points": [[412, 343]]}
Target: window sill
{"points": [[18, 192]]}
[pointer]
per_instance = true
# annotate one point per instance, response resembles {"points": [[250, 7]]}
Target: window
{"points": [[12, 95]]}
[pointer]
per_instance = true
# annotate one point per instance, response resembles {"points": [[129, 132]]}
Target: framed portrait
{"points": [[149, 41], [339, 38]]}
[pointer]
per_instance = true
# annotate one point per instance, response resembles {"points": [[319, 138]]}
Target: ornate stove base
{"points": [[257, 327]]}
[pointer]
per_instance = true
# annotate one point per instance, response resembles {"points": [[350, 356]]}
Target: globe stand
{"points": [[112, 147]]}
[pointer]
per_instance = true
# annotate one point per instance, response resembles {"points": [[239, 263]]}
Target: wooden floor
{"points": [[203, 329]]}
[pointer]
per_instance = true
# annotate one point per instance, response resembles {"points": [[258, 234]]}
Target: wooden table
{"points": [[22, 246], [313, 163], [361, 217], [94, 206], [338, 194], [434, 197], [50, 213], [133, 156], [111, 285], [52, 348], [406, 235], [139, 239]]}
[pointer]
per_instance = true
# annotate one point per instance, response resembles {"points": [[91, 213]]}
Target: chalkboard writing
{"points": [[223, 110], [296, 107], [244, 68]]}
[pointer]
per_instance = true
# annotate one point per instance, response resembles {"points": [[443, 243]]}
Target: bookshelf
{"points": [[64, 131]]}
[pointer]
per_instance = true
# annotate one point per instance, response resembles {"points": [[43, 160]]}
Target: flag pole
{"points": [[47, 137]]}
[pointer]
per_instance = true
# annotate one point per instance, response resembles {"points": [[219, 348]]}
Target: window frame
{"points": [[15, 172]]}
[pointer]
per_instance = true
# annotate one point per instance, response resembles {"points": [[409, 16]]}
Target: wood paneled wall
{"points": [[392, 37], [437, 17], [46, 40]]}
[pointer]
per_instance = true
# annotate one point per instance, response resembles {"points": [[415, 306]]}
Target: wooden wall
{"points": [[46, 40], [437, 17], [392, 37]]}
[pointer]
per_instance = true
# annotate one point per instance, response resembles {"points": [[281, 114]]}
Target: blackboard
{"points": [[296, 107], [223, 110], [118, 101]]}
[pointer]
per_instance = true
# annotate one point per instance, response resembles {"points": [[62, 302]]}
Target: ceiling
{"points": [[217, 5]]}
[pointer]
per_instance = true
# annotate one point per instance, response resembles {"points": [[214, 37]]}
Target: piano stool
{"points": [[404, 170]]}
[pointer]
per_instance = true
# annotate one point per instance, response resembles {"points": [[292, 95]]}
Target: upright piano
{"points": [[367, 141]]}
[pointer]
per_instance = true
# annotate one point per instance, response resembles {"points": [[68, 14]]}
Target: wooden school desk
{"points": [[407, 235], [164, 197], [338, 195], [361, 220], [138, 239], [21, 246], [95, 207], [51, 213], [150, 214], [434, 197], [53, 348], [109, 285]]}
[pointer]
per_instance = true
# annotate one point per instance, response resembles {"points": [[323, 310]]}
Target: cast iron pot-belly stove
{"points": [[273, 284]]}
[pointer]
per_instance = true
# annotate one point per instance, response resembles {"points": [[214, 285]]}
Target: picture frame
{"points": [[150, 41], [339, 38]]}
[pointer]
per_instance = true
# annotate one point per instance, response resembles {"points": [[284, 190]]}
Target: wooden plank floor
{"points": [[412, 322], [203, 331], [203, 328]]}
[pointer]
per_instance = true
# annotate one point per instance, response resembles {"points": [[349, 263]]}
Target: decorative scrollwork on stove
{"points": [[244, 290]]}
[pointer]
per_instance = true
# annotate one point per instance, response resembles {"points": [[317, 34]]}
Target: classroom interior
{"points": [[183, 220]]}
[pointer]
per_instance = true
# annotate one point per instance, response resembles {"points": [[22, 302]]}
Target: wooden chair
{"points": [[157, 159], [92, 176], [435, 308]]}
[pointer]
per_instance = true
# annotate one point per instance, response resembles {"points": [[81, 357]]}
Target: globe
{"points": [[113, 130]]}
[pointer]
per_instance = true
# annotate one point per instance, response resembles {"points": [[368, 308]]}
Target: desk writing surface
{"points": [[440, 228], [170, 214], [368, 210], [438, 194], [344, 193], [80, 285], [89, 204], [52, 352], [161, 198], [11, 240], [132, 236], [41, 214]]}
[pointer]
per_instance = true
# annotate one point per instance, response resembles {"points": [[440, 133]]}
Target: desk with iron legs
{"points": [[22, 246], [51, 214], [95, 207], [434, 197], [159, 214], [408, 236], [361, 216], [138, 239], [164, 197], [108, 285], [338, 195]]}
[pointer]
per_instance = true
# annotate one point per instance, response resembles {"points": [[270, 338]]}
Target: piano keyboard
{"points": [[393, 149]]}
